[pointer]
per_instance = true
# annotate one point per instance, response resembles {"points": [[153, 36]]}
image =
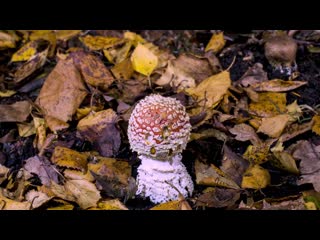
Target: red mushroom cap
{"points": [[159, 127]]}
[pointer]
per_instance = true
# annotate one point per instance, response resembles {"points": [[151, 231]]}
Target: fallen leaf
{"points": [[269, 104], [3, 173], [92, 69], [144, 60], [37, 199], [41, 134], [294, 111], [211, 90], [7, 40], [114, 177], [55, 124], [41, 167], [218, 198], [171, 205], [309, 154], [26, 129], [297, 204], [254, 75], [7, 93], [294, 130], [284, 161], [65, 35], [8, 204], [135, 38], [312, 196], [25, 52], [77, 175], [17, 112], [216, 43], [130, 89], [274, 126], [244, 133], [316, 124], [48, 35], [63, 205], [123, 70], [100, 128], [118, 53], [99, 42], [65, 157], [212, 176], [277, 85], [256, 177], [257, 154], [62, 92], [233, 165], [113, 204], [207, 133]]}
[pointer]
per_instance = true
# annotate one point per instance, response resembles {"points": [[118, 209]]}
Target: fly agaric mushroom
{"points": [[159, 130], [281, 53]]}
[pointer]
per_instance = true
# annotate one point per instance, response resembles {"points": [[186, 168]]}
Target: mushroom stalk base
{"points": [[163, 180]]}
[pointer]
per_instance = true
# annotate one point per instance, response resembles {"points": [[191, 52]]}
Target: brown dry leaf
{"points": [[65, 35], [254, 75], [99, 42], [123, 70], [76, 175], [26, 129], [130, 89], [207, 133], [55, 124], [284, 161], [274, 126], [185, 71], [257, 154], [37, 199], [40, 128], [62, 92], [113, 204], [65, 157], [295, 129], [256, 177], [3, 173], [114, 177], [26, 69], [7, 40], [212, 176], [94, 72], [135, 38], [269, 104], [309, 154], [25, 52], [17, 112], [297, 204], [316, 124], [277, 85], [118, 52], [7, 93], [143, 60], [48, 35], [294, 111], [218, 198], [100, 128], [216, 43], [210, 91], [244, 133], [8, 204], [233, 165], [43, 168]]}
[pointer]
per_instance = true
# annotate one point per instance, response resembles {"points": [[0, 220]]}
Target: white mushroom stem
{"points": [[156, 178]]}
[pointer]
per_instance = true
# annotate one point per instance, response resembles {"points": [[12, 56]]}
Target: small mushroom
{"points": [[159, 130], [281, 53]]}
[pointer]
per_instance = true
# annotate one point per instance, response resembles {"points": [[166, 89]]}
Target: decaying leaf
{"points": [[207, 134], [216, 43], [65, 35], [65, 157], [25, 52], [99, 42], [277, 85], [297, 204], [37, 198], [254, 75], [41, 167], [274, 126], [92, 69], [26, 129], [212, 176], [134, 37], [233, 165], [3, 173], [143, 60], [114, 177], [257, 154], [8, 204], [16, 112], [41, 135], [118, 53], [284, 161], [7, 40], [48, 35], [123, 70], [100, 128], [294, 111], [171, 205], [245, 132], [7, 93], [62, 92], [316, 124], [312, 196], [269, 104], [113, 204], [295, 129], [77, 175], [309, 154], [256, 177]]}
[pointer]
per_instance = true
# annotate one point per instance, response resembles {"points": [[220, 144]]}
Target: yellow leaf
{"points": [[256, 177], [62, 205], [216, 43], [7, 93], [135, 38], [65, 35], [8, 204], [294, 111], [7, 40], [113, 204], [273, 126], [26, 129], [284, 161], [277, 85], [316, 124], [3, 173], [269, 104], [123, 70], [143, 60], [55, 124], [117, 54], [48, 35], [99, 42], [172, 205], [26, 52], [257, 154], [211, 90], [65, 157], [310, 206], [41, 135], [77, 175]]}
